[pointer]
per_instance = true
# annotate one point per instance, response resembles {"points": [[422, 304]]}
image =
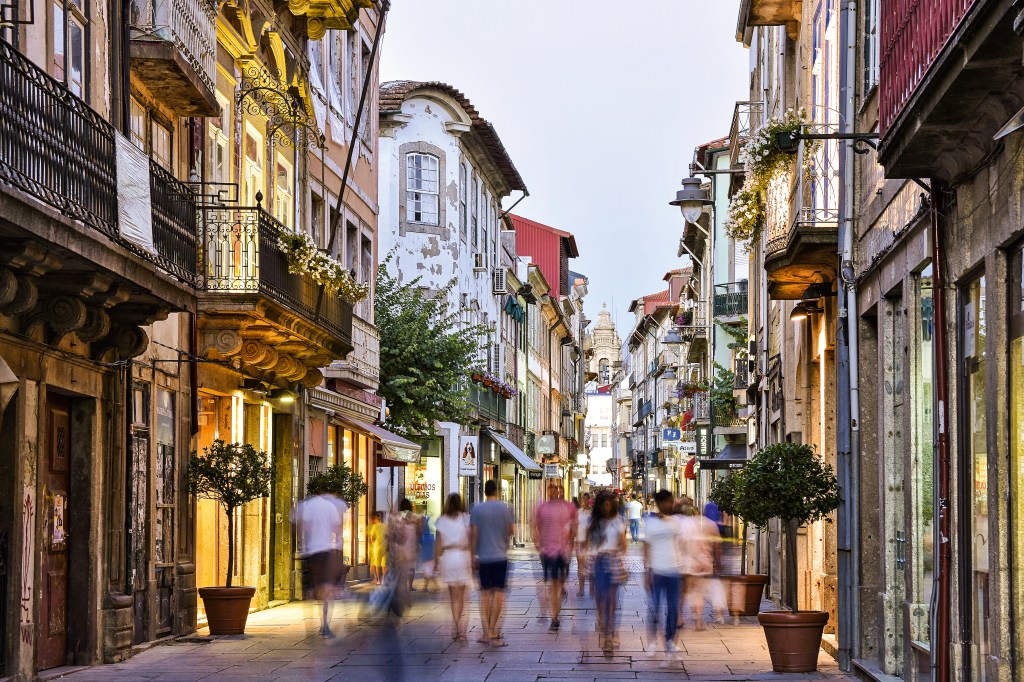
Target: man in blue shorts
{"points": [[491, 527]]}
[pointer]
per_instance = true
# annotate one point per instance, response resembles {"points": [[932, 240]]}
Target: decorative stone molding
{"points": [[97, 325], [129, 341], [313, 378], [24, 299]]}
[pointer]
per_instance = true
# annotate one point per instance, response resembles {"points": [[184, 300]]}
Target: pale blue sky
{"points": [[599, 104]]}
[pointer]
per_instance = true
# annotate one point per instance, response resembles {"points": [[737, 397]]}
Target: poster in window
{"points": [[469, 446], [969, 329]]}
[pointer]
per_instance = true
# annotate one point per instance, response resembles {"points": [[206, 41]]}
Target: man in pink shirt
{"points": [[554, 528]]}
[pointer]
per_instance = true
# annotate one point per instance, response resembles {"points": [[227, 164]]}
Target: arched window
{"points": [[604, 371], [421, 188]]}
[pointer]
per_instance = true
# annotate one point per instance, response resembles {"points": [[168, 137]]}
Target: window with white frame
{"points": [[463, 192], [421, 188], [474, 201], [872, 44], [68, 44], [486, 224]]}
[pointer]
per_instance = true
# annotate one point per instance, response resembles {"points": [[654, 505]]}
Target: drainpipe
{"points": [[942, 637], [847, 380]]}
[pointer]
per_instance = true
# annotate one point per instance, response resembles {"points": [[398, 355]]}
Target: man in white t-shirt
{"points": [[318, 520], [663, 559], [634, 510]]}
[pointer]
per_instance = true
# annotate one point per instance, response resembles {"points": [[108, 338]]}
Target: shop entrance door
{"points": [[52, 640]]}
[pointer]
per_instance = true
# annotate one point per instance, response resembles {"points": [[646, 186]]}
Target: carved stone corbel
{"points": [[313, 378], [97, 324], [222, 342], [129, 341], [24, 298], [65, 313]]}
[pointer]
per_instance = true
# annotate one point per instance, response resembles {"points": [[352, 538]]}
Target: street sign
{"points": [[669, 435], [722, 464]]}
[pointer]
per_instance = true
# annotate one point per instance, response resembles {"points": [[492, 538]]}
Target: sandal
{"points": [[498, 642], [483, 640]]}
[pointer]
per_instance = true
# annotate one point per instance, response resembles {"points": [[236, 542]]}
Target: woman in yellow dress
{"points": [[378, 547]]}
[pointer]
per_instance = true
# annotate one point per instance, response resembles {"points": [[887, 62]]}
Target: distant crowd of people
{"points": [[681, 550]]}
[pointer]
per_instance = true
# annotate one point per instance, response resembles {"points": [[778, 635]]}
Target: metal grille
{"points": [[175, 224], [746, 118]]}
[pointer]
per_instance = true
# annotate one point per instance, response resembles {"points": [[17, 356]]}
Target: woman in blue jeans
{"points": [[606, 543]]}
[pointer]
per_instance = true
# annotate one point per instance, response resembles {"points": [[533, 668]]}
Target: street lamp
{"points": [[691, 199], [804, 308]]}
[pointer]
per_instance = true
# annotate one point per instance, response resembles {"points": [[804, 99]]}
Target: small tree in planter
{"points": [[232, 474], [788, 482], [746, 590], [338, 480]]}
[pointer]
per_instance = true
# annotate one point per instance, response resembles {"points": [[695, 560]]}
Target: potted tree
{"points": [[232, 474], [788, 482], [338, 480], [745, 590]]}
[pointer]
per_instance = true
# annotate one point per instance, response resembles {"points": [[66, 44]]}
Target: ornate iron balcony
{"points": [[746, 118], [54, 147], [243, 257], [731, 299]]}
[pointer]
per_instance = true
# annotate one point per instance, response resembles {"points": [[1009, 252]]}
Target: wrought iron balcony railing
{"points": [[243, 257], [807, 196], [54, 147], [746, 119], [912, 34], [488, 403], [187, 27], [741, 371], [731, 299]]}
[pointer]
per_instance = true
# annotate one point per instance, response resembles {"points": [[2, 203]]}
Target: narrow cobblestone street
{"points": [[282, 644]]}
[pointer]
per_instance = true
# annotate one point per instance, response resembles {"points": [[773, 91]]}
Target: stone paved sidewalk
{"points": [[283, 644]]}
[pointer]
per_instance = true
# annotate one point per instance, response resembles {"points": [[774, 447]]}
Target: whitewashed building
{"points": [[443, 174]]}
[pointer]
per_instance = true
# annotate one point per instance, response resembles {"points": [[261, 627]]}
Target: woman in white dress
{"points": [[453, 560]]}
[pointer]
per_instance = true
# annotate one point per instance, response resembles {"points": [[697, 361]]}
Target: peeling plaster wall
{"points": [[435, 258]]}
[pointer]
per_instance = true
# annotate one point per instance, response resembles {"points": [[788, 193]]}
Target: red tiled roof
{"points": [[652, 302], [393, 93]]}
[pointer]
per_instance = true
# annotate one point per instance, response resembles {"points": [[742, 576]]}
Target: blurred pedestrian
{"points": [[606, 546], [634, 511], [700, 537], [491, 527], [318, 520], [403, 534], [453, 559], [715, 589], [582, 523], [663, 556], [426, 559], [554, 531], [378, 547]]}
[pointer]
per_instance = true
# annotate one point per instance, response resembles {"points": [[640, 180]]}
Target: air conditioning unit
{"points": [[500, 283], [479, 262]]}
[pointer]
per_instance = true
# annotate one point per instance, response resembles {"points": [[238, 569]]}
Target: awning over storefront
{"points": [[689, 471], [397, 451], [518, 455]]}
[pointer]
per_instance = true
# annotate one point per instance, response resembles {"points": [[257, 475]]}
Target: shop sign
{"points": [[57, 534], [577, 473], [469, 446], [552, 471], [420, 489], [689, 446], [703, 441], [722, 464], [670, 435], [534, 475], [670, 462], [546, 444]]}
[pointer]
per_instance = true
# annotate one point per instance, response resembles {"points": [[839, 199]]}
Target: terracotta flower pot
{"points": [[477, 376], [487, 383], [793, 639], [227, 608], [744, 592]]}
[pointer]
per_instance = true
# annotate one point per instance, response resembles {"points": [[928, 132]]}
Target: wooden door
{"points": [[52, 643]]}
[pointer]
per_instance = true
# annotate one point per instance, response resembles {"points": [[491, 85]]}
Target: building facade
{"points": [[443, 174]]}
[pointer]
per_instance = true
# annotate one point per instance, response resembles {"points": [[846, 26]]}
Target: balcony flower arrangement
{"points": [[304, 258], [763, 160], [507, 390], [685, 318], [686, 389]]}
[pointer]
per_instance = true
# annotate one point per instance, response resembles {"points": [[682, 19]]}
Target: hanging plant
{"points": [[762, 161], [304, 258]]}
